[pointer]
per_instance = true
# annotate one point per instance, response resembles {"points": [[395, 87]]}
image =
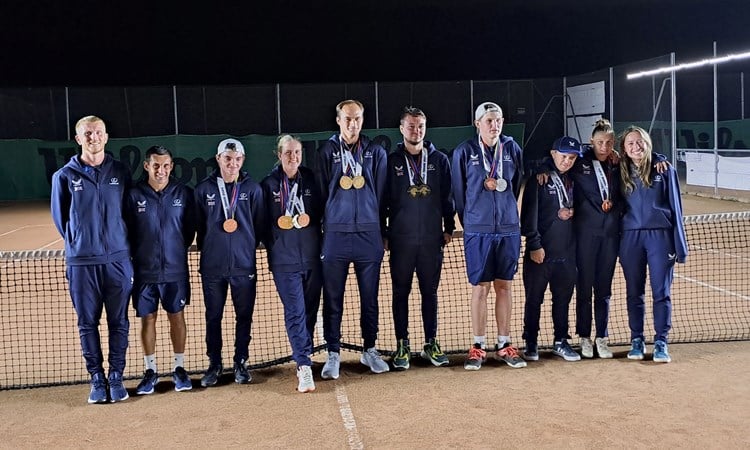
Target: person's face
{"points": [[159, 167], [563, 161], [603, 143], [230, 163], [413, 129], [350, 122], [290, 157], [490, 126], [92, 137], [635, 146]]}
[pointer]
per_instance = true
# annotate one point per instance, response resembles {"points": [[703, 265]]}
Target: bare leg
{"points": [[479, 308], [177, 331], [503, 306], [148, 334]]}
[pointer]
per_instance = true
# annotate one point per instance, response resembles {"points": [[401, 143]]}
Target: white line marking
{"points": [[50, 244], [22, 228], [730, 255], [355, 442], [712, 287]]}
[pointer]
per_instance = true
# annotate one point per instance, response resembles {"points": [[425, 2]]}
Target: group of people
{"points": [[123, 240]]}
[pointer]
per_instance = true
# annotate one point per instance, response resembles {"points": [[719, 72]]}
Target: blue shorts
{"points": [[491, 257], [174, 296]]}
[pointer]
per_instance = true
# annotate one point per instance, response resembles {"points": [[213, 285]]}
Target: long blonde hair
{"points": [[628, 167]]}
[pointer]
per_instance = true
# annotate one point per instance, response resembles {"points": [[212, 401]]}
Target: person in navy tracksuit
{"points": [[420, 213], [547, 212], [598, 207], [486, 172], [352, 183], [653, 236], [160, 215], [86, 204], [292, 240], [229, 208]]}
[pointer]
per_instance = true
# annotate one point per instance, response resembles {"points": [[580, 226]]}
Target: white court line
{"points": [[355, 442], [712, 287], [730, 255], [21, 228], [50, 244]]}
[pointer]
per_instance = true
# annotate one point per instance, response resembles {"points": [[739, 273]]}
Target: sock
{"points": [[179, 360], [502, 340], [150, 361], [479, 340]]}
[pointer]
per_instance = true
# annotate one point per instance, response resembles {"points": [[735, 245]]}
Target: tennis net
{"points": [[40, 346]]}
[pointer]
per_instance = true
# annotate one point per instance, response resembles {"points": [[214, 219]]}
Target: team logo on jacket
{"points": [[474, 159], [506, 156], [308, 192], [657, 179], [399, 170], [177, 203], [276, 196], [243, 196], [114, 181], [210, 199], [140, 206], [77, 184], [336, 157], [368, 154], [430, 167], [586, 169]]}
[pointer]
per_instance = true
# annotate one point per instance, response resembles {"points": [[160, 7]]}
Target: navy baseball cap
{"points": [[567, 144]]}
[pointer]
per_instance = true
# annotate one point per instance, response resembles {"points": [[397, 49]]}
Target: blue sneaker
{"points": [[661, 353], [98, 392], [531, 352], [181, 379], [637, 349], [148, 383], [117, 391], [565, 351]]}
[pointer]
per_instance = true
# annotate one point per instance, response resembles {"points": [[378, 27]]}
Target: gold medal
{"points": [[413, 191], [303, 220], [490, 184], [285, 222], [230, 225], [346, 182], [424, 190], [606, 205], [358, 182]]}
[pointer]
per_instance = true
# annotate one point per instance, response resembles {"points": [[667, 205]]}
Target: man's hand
{"points": [[537, 255]]}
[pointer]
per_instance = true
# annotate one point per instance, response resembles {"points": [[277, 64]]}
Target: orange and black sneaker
{"points": [[476, 357], [510, 356]]}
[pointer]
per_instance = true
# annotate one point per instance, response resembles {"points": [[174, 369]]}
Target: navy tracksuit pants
{"points": [[92, 289], [300, 295], [365, 250], [596, 257], [561, 277], [215, 298], [655, 249], [426, 260]]}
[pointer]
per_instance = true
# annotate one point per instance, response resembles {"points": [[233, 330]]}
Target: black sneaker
{"points": [[212, 375], [241, 374], [402, 356]]}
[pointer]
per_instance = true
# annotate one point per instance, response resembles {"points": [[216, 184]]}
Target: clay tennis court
{"points": [[701, 399]]}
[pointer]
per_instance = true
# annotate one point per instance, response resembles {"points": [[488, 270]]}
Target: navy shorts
{"points": [[491, 257], [174, 296]]}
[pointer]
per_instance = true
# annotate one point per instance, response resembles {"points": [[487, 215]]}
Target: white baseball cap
{"points": [[230, 145], [485, 108]]}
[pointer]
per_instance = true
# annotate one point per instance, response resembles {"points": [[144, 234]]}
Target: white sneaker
{"points": [[372, 359], [331, 368], [587, 348], [305, 377], [602, 348]]}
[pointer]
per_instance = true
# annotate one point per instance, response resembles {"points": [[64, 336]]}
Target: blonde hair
{"points": [[284, 139], [88, 119], [627, 167], [602, 126], [341, 105]]}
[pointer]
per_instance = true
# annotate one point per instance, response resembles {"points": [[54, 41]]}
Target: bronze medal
{"points": [[303, 220], [502, 185], [346, 182], [490, 184], [606, 205], [358, 182], [564, 213], [230, 225], [285, 222]]}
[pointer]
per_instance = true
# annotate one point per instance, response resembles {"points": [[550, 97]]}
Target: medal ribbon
{"points": [[290, 201], [495, 168], [411, 166], [229, 206], [349, 164], [562, 190], [601, 179]]}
